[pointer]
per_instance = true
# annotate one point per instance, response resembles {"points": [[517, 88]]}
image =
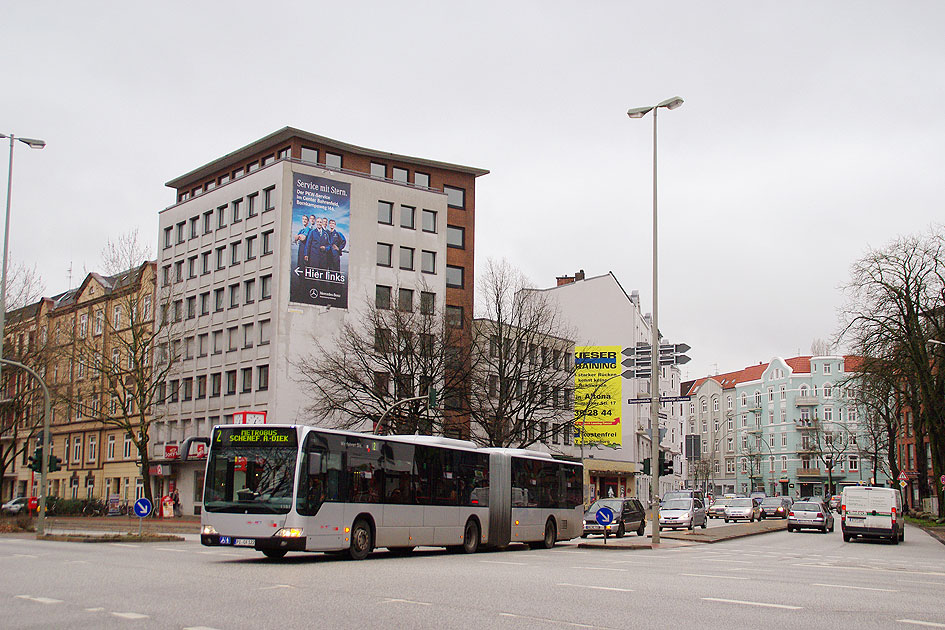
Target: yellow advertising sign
{"points": [[597, 395]]}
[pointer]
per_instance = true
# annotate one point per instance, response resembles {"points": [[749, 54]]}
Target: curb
{"points": [[79, 538], [680, 540]]}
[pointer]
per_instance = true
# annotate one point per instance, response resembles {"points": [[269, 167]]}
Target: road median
{"points": [[677, 538]]}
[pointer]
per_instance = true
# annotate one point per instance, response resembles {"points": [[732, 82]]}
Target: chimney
{"points": [[563, 280]]}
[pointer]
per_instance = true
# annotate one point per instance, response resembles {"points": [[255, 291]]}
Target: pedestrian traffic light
{"points": [[54, 463], [36, 461], [646, 466], [431, 397]]}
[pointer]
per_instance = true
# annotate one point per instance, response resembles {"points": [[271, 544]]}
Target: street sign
{"points": [[142, 508], [902, 476], [902, 484], [943, 480], [663, 399], [605, 516]]}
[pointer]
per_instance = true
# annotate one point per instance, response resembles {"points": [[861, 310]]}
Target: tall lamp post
{"points": [[32, 143], [640, 112]]}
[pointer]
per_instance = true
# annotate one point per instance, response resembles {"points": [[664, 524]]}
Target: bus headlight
{"points": [[289, 532], [207, 529]]}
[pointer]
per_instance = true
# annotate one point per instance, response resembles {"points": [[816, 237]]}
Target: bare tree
{"points": [[820, 347], [830, 441], [876, 390], [130, 349], [380, 359], [522, 375], [895, 306]]}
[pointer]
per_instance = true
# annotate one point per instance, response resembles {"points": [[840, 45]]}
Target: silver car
{"points": [[810, 515], [14, 506], [742, 509], [676, 513]]}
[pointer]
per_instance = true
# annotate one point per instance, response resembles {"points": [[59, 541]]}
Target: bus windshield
{"points": [[251, 470]]}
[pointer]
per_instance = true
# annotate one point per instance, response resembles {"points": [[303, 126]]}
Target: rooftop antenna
{"points": [[70, 274]]}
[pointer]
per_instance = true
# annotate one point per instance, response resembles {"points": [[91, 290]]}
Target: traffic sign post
{"points": [[142, 510], [604, 517]]}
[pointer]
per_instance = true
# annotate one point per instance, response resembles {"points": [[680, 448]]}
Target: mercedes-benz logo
{"points": [[313, 293]]}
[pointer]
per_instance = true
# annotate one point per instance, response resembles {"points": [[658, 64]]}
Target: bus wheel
{"points": [[551, 535], [362, 543], [275, 554], [471, 537]]}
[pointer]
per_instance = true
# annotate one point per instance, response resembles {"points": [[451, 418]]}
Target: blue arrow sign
{"points": [[142, 508], [605, 516]]}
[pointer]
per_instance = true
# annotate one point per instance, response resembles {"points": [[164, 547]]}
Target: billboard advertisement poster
{"points": [[321, 218], [597, 396]]}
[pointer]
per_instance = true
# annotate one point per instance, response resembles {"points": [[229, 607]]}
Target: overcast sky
{"points": [[810, 132]]}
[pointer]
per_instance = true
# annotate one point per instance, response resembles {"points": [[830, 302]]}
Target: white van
{"points": [[872, 513]]}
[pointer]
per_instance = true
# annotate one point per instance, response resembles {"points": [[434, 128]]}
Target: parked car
{"points": [[742, 509], [871, 512], [676, 513], [834, 503], [810, 515], [15, 506], [629, 516], [776, 507], [717, 509], [683, 494], [758, 497]]}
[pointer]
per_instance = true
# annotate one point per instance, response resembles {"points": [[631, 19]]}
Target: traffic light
{"points": [[431, 397], [666, 466], [36, 461], [54, 463], [646, 466]]}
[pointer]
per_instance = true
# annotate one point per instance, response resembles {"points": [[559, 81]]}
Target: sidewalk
{"points": [[681, 538]]}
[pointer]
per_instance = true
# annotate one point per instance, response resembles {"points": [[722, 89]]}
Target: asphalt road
{"points": [[798, 580]]}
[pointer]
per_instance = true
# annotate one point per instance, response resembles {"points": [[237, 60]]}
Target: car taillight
{"points": [[791, 513], [893, 514], [820, 514]]}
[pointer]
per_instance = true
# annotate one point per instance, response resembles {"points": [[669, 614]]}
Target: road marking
{"points": [[125, 545], [922, 582], [598, 588], [872, 569], [199, 628], [724, 560], [545, 620], [23, 555], [129, 615], [40, 600], [94, 609], [169, 549], [706, 575], [269, 588], [930, 624], [391, 600], [762, 604], [77, 562], [601, 569], [519, 564], [857, 588]]}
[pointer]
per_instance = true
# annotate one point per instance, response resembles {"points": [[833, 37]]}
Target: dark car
{"points": [[629, 516], [776, 507]]}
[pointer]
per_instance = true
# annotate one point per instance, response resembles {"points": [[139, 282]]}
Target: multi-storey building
{"points": [[711, 436], [601, 313], [252, 297], [908, 456], [798, 427], [75, 333]]}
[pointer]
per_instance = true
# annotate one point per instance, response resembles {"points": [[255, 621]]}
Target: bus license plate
{"points": [[244, 542]]}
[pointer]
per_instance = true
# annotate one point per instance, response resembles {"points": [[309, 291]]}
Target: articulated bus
{"points": [[281, 488]]}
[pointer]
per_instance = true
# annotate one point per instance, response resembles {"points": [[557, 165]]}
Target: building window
{"points": [[264, 332], [218, 299], [267, 243], [454, 277], [262, 378], [235, 253], [455, 237], [221, 258], [385, 212], [406, 258], [332, 160], [221, 217], [454, 316], [110, 449], [247, 380], [455, 197], [407, 217], [248, 335], [405, 300], [266, 291], [230, 382], [232, 338], [234, 295], [269, 199], [249, 290], [427, 261], [427, 302], [384, 253], [236, 211], [378, 170], [428, 220], [168, 237], [309, 155], [201, 386], [399, 174], [252, 205], [421, 179], [194, 227], [854, 463], [382, 297], [250, 247]]}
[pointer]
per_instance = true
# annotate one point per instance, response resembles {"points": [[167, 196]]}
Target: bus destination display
{"points": [[254, 436]]}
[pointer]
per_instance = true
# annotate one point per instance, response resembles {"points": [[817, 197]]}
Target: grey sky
{"points": [[810, 131]]}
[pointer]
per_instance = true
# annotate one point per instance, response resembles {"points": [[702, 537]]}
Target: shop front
{"points": [[607, 478]]}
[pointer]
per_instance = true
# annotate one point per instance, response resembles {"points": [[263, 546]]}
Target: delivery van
{"points": [[871, 512]]}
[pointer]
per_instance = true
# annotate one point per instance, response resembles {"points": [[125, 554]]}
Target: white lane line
{"points": [[124, 545], [269, 588], [77, 562], [722, 577], [200, 628], [745, 603], [545, 620], [857, 588], [169, 549], [732, 561], [518, 564], [40, 600], [129, 615], [23, 555], [391, 600], [602, 569], [930, 624], [597, 588], [870, 569], [94, 609]]}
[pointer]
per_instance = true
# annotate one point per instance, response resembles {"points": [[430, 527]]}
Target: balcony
{"points": [[808, 424], [808, 472], [806, 401]]}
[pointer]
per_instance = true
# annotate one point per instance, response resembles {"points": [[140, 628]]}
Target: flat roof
{"points": [[287, 133]]}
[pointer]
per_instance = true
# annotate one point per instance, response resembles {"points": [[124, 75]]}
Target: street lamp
{"points": [[640, 112], [32, 143]]}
